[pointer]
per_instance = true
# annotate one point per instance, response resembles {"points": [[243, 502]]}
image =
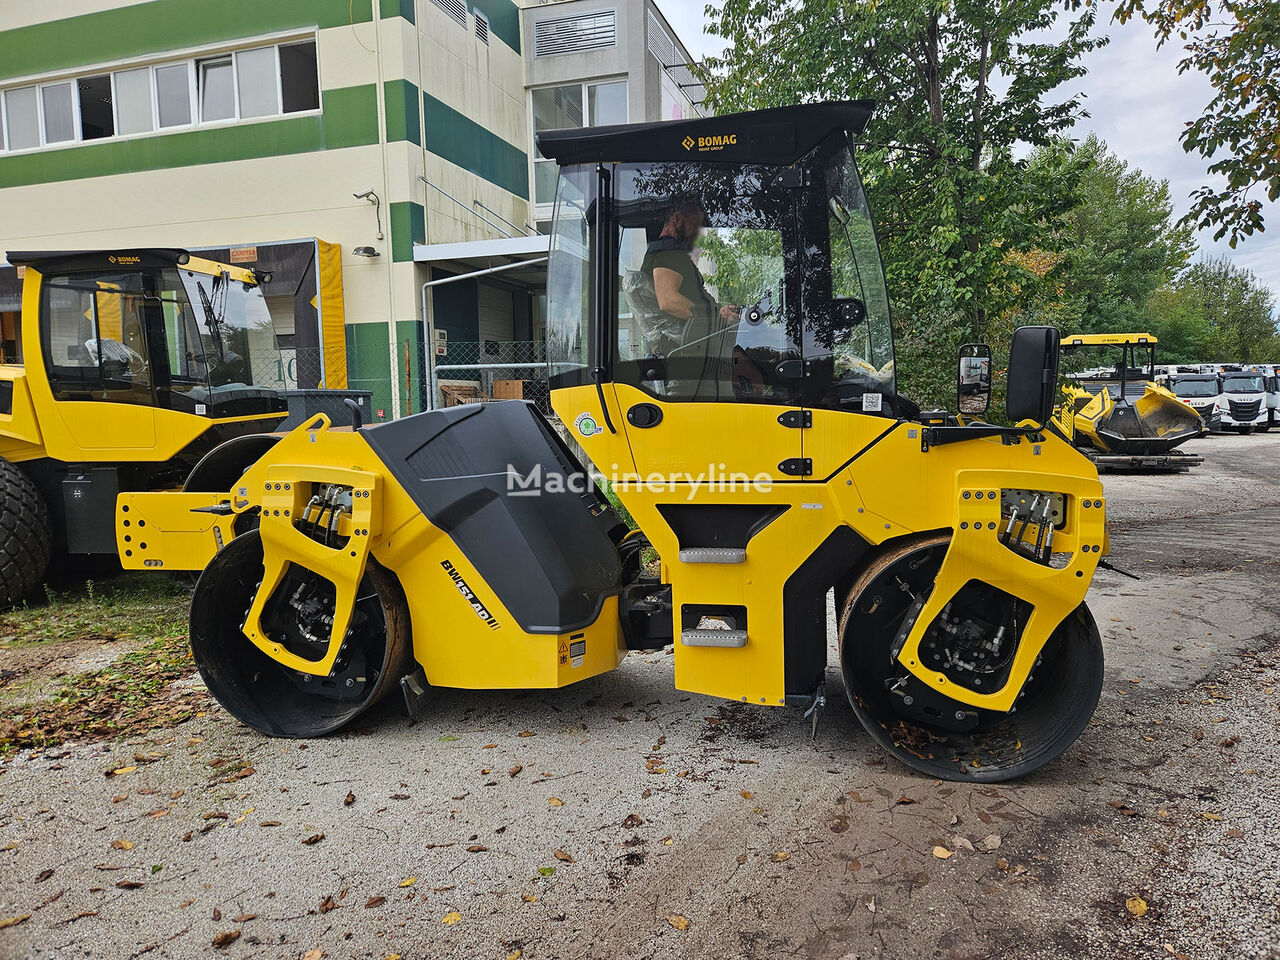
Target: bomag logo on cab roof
{"points": [[706, 144], [125, 259]]}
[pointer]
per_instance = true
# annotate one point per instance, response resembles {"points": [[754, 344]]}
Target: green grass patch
{"points": [[126, 697]]}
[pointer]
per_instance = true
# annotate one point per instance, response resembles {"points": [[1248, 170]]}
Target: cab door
{"points": [[714, 396]]}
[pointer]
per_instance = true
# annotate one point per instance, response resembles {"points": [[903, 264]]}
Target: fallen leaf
{"points": [[408, 881], [375, 902], [447, 738], [14, 921], [962, 843], [226, 939], [313, 839], [1136, 906], [217, 914], [489, 746], [128, 884], [313, 954], [44, 875], [514, 770], [780, 856], [245, 918], [477, 848], [678, 921], [547, 871], [515, 954], [529, 898], [839, 824], [563, 856], [904, 801], [555, 801], [269, 823], [1211, 816], [748, 795], [349, 799], [527, 733], [450, 918], [121, 844], [942, 853], [328, 903], [121, 771], [990, 842]]}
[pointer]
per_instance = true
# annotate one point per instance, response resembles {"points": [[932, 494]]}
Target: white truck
{"points": [[1242, 401]]}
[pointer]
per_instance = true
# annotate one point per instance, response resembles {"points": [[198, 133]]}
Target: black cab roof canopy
{"points": [[778, 136], [109, 259]]}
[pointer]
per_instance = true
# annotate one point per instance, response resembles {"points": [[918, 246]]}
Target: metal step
{"points": [[713, 554], [714, 638]]}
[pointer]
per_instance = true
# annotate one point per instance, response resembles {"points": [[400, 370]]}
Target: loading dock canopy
{"points": [[476, 256]]}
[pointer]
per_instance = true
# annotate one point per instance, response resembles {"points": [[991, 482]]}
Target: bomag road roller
{"points": [[1123, 418], [752, 427], [134, 367]]}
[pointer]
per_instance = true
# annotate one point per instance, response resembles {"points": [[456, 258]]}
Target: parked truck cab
{"points": [[1242, 401], [1200, 392]]}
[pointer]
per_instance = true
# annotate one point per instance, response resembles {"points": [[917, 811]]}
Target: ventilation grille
{"points": [[593, 31], [454, 8], [482, 26], [661, 45]]}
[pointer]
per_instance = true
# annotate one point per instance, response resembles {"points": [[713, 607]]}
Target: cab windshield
{"points": [[1239, 384], [1195, 388], [727, 281]]}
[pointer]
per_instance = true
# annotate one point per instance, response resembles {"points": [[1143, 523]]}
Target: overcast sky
{"points": [[1137, 103]]}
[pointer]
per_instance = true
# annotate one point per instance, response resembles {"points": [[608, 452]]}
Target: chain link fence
{"points": [[489, 370]]}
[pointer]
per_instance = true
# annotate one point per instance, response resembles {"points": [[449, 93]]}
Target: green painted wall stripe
{"points": [[349, 119], [461, 140], [160, 26], [404, 121], [369, 363], [504, 20], [408, 226], [396, 8]]}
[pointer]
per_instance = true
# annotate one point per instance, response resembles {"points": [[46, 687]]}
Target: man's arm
{"points": [[666, 286]]}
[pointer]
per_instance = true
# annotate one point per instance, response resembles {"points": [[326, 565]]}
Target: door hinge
{"points": [[797, 466], [797, 419]]}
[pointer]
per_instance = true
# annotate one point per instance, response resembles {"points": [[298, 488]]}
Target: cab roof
{"points": [[1106, 340], [777, 136], [49, 261]]}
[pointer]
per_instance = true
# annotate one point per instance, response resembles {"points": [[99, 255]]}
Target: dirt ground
{"points": [[624, 819]]}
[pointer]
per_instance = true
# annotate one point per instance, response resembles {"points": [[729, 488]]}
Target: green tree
{"points": [[1236, 44], [959, 84], [1118, 245], [1235, 309]]}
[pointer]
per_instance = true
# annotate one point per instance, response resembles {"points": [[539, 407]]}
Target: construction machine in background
{"points": [[140, 370], [763, 449], [1123, 418]]}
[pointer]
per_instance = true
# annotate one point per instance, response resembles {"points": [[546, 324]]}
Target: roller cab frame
{"points": [[763, 450], [133, 367]]}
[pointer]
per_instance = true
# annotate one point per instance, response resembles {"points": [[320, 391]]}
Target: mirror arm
{"points": [[937, 436]]}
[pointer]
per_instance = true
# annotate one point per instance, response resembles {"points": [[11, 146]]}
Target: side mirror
{"points": [[973, 381], [1033, 373]]}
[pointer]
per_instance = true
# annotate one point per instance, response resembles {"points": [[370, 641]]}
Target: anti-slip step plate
{"points": [[713, 555], [714, 638]]}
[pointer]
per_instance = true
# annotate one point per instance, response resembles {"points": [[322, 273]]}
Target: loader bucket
{"points": [[266, 695]]}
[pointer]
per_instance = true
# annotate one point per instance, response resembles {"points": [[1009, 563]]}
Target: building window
{"points": [[58, 106], [23, 114], [96, 119], [173, 95], [299, 78], [248, 84], [575, 105], [133, 101]]}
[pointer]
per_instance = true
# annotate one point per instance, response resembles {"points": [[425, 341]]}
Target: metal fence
{"points": [[489, 370]]}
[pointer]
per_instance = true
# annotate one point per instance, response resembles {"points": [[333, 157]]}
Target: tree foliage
{"points": [[1117, 246], [1216, 311], [959, 84], [1236, 44]]}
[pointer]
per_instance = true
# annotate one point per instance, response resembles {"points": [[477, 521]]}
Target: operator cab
{"points": [[763, 222], [156, 327]]}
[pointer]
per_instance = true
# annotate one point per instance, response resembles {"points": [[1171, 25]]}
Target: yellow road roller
{"points": [[720, 349]]}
